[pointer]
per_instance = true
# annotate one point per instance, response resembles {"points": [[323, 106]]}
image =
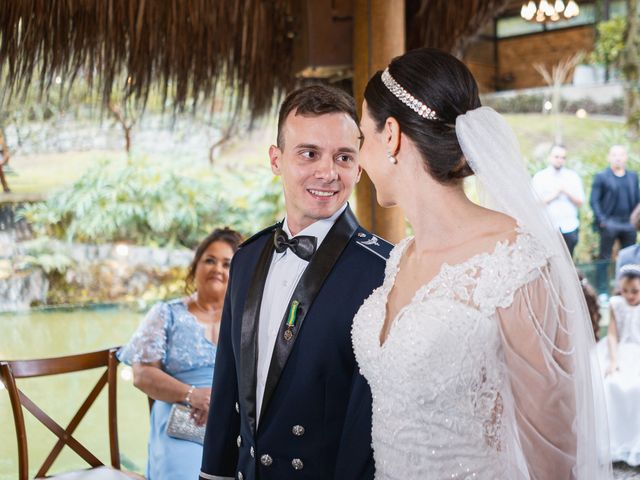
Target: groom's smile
{"points": [[318, 163]]}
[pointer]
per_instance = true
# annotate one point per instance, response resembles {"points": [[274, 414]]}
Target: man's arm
{"points": [[220, 451], [595, 199], [547, 194], [636, 190], [574, 191], [355, 456]]}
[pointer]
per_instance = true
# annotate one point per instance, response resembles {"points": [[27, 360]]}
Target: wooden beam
{"points": [[378, 36]]}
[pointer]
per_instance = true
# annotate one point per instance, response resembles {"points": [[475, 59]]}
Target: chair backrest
{"points": [[17, 369]]}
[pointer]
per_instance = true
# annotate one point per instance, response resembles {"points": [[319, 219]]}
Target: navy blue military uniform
{"points": [[315, 420]]}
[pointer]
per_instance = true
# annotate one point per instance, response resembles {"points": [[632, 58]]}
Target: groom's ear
{"points": [[275, 155], [392, 135]]}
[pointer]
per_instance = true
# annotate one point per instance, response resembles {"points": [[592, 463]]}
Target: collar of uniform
{"points": [[317, 229]]}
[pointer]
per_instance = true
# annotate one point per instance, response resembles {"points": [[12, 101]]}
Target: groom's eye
{"points": [[310, 154], [344, 158]]}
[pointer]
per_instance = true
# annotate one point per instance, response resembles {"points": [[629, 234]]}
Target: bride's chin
{"points": [[385, 203]]}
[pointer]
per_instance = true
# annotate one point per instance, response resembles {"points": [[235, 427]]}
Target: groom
{"points": [[288, 400]]}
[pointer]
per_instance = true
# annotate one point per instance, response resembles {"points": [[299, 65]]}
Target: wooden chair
{"points": [[17, 369]]}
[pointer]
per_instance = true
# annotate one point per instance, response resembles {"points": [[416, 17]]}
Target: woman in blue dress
{"points": [[173, 354]]}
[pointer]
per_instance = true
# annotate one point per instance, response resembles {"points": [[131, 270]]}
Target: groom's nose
{"points": [[326, 169]]}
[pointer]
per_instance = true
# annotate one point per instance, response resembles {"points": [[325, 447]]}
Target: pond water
{"points": [[39, 334]]}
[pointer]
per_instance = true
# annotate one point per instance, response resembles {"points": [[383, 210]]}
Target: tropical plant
{"points": [[147, 204], [139, 203], [42, 253]]}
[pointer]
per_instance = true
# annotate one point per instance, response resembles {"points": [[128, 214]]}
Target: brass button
{"points": [[266, 460], [298, 430], [252, 452], [297, 464], [239, 441]]}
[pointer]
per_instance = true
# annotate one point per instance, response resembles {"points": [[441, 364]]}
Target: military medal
{"points": [[291, 320]]}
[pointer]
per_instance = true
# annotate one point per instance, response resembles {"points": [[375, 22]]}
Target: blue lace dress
{"points": [[171, 334]]}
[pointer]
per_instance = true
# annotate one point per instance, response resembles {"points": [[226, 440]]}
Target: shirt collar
{"points": [[318, 229]]}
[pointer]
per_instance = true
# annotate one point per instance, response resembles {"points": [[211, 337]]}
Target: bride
{"points": [[477, 345]]}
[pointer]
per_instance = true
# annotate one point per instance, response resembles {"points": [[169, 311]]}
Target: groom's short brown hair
{"points": [[313, 101]]}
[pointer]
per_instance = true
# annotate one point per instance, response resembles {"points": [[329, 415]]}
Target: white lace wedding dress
{"points": [[446, 402]]}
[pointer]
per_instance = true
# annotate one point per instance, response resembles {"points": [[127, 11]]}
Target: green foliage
{"points": [[524, 103], [256, 200], [147, 204], [610, 41], [41, 253], [140, 203], [528, 103]]}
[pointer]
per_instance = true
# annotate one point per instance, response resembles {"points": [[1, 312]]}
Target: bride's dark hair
{"points": [[444, 84]]}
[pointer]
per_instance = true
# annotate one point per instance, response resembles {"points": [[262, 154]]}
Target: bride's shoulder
{"points": [[494, 232], [515, 250]]}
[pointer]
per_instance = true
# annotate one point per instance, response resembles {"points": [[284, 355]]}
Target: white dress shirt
{"points": [[284, 274], [562, 210]]}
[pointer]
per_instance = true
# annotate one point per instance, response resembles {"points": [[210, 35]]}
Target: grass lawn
{"points": [[46, 172], [43, 173], [536, 133]]}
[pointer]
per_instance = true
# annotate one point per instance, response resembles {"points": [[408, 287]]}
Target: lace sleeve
{"points": [[539, 358], [149, 342]]}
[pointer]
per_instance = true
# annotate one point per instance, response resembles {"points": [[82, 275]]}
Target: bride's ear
{"points": [[391, 133]]}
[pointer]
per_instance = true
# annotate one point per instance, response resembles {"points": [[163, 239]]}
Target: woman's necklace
{"points": [[202, 309]]}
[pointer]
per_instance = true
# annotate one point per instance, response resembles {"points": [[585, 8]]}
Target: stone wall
{"points": [[92, 273]]}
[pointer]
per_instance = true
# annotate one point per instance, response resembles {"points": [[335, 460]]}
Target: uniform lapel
{"points": [[249, 333], [305, 292]]}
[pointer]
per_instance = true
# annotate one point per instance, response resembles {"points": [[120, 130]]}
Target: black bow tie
{"points": [[304, 246]]}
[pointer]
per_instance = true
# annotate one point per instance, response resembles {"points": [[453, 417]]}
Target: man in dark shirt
{"points": [[614, 195]]}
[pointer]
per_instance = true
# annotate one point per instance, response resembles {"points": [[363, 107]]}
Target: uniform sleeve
{"points": [[220, 450], [355, 455], [538, 358], [149, 342]]}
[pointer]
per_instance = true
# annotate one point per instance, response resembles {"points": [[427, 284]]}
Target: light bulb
{"points": [[525, 12], [572, 9], [559, 6]]}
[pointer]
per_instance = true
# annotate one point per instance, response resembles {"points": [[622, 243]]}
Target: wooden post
{"points": [[378, 36]]}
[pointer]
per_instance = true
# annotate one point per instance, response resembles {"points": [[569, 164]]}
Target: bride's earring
{"points": [[391, 158]]}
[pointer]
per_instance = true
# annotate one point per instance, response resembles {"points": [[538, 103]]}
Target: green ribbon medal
{"points": [[291, 320]]}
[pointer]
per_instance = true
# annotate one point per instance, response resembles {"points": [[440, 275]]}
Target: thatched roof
{"points": [[187, 47], [449, 24], [182, 46]]}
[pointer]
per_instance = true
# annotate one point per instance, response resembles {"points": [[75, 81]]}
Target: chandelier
{"points": [[549, 11]]}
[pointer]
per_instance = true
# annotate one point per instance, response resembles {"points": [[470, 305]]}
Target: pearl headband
{"points": [[406, 98]]}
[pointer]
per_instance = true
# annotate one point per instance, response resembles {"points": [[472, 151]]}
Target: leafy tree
{"points": [[148, 204], [630, 59], [609, 41], [618, 45]]}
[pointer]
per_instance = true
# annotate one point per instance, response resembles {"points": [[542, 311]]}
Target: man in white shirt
{"points": [[287, 396], [562, 191]]}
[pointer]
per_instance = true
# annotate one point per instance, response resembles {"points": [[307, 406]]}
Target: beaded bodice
{"points": [[439, 382]]}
